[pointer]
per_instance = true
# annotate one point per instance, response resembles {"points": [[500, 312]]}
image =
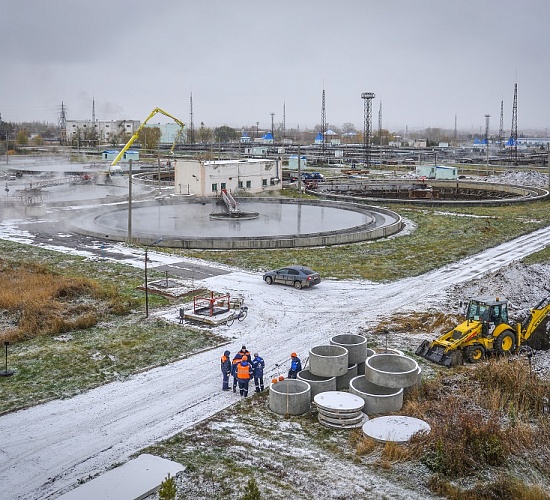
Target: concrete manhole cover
{"points": [[394, 428], [338, 402]]}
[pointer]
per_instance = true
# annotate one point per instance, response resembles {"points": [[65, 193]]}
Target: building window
{"points": [[248, 184], [214, 188], [223, 185], [264, 182], [240, 184]]}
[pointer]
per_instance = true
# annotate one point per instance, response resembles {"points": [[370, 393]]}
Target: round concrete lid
{"points": [[339, 401], [394, 428]]}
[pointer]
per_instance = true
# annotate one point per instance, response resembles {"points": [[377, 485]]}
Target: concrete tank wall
{"points": [[328, 360], [317, 384], [391, 370], [361, 366], [342, 382], [378, 399], [355, 344], [290, 397]]}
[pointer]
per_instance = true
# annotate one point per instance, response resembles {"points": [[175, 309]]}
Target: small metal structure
{"points": [[211, 305]]}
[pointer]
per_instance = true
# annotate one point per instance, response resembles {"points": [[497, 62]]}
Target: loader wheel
{"points": [[474, 353], [505, 342]]}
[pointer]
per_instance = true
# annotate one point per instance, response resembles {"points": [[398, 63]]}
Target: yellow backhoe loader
{"points": [[485, 331]]}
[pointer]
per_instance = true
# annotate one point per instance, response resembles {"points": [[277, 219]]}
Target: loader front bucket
{"points": [[437, 354]]}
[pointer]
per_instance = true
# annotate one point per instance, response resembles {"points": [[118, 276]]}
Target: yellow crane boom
{"points": [[136, 133]]}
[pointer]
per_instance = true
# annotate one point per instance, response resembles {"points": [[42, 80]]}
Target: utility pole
{"points": [[63, 125], [487, 139], [284, 121], [323, 127], [129, 201], [501, 128], [455, 134], [380, 125], [272, 126], [191, 134]]}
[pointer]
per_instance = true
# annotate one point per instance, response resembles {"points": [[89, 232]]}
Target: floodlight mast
{"points": [[367, 98], [136, 133]]}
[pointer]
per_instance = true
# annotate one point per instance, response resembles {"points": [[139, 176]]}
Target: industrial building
{"points": [[209, 178]]}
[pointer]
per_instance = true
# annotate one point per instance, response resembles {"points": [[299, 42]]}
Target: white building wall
{"points": [[106, 128], [207, 179]]}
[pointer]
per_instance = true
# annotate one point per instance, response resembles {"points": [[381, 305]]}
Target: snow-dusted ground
{"points": [[48, 448]]}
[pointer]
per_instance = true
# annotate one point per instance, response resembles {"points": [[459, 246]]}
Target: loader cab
{"points": [[488, 310]]}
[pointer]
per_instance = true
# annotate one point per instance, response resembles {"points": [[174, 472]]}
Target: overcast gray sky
{"points": [[426, 60]]}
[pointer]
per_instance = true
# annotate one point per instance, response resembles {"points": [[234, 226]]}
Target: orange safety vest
{"points": [[243, 371]]}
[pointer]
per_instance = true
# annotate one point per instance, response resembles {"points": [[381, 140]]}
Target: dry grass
{"points": [[503, 487], [483, 419], [38, 302], [426, 322], [363, 445]]}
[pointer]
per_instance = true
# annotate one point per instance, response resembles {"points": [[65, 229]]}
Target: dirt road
{"points": [[46, 449]]}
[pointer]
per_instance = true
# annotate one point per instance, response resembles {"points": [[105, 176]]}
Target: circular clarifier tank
{"points": [[280, 223]]}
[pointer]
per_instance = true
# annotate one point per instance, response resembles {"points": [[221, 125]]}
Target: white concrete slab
{"points": [[134, 480]]}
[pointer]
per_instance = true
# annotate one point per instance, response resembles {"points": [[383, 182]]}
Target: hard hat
{"points": [[293, 355], [281, 377], [243, 348], [255, 354], [245, 358], [226, 353], [274, 380]]}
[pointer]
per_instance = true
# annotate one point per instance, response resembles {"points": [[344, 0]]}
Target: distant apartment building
{"points": [[104, 130]]}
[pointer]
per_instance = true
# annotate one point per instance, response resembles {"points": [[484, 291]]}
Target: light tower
{"points": [[367, 98], [272, 126], [514, 131]]}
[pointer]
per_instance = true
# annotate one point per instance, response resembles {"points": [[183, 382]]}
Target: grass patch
{"points": [[441, 237], [72, 325], [52, 367]]}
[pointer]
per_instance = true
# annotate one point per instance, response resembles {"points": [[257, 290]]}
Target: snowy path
{"points": [[46, 449]]}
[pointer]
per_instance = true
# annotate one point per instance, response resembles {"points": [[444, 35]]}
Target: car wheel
{"points": [[269, 280], [298, 285]]}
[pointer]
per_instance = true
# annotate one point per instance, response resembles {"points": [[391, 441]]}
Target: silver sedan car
{"points": [[297, 276]]}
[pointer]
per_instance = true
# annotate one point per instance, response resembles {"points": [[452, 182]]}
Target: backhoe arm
{"points": [[136, 134], [536, 317]]}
